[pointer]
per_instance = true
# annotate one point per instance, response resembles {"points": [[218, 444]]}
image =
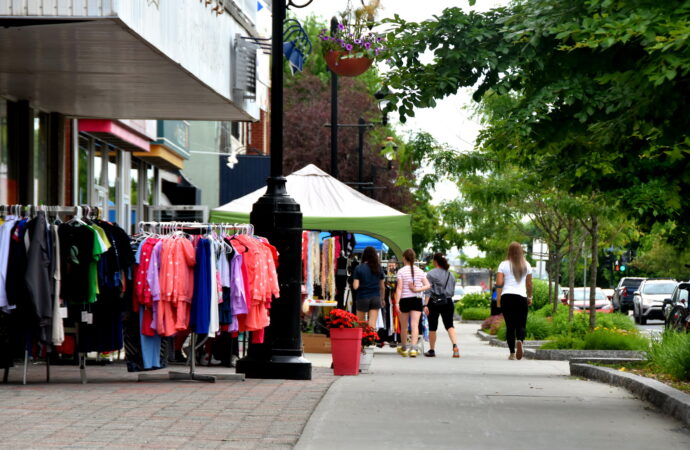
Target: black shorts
{"points": [[408, 304], [446, 312]]}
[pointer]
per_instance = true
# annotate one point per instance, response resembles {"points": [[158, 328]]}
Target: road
{"points": [[653, 327], [482, 401]]}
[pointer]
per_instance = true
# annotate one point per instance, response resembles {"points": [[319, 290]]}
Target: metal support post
{"points": [[360, 147], [277, 217]]}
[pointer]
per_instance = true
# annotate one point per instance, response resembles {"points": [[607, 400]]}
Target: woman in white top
{"points": [[411, 281], [514, 295]]}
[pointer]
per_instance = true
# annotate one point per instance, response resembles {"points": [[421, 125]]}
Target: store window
{"points": [[40, 162], [8, 183], [84, 163]]}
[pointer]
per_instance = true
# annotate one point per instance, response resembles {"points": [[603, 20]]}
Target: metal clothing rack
{"points": [[30, 211], [169, 228]]}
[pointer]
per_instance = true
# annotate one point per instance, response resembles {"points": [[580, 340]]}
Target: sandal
{"points": [[456, 352]]}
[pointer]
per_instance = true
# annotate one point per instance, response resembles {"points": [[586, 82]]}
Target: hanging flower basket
{"points": [[348, 66]]}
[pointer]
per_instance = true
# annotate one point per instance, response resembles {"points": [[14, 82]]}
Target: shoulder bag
{"points": [[440, 300]]}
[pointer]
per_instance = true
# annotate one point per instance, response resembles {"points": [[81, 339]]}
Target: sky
{"points": [[451, 121]]}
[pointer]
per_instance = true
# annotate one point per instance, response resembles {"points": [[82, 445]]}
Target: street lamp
{"points": [[277, 216]]}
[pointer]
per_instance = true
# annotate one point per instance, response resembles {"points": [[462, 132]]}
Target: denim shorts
{"points": [[369, 303]]}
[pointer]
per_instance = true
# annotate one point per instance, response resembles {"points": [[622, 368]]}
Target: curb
{"points": [[669, 400]]}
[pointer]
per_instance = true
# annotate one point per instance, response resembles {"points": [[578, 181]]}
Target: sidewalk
{"points": [[115, 411], [482, 401]]}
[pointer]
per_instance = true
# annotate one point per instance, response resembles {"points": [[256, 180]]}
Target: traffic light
{"points": [[617, 266], [622, 268]]}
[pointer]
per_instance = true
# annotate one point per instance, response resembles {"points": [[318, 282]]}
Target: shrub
{"points": [[604, 339], [538, 328], [501, 332], [564, 343], [671, 355], [473, 301], [578, 327], [492, 323], [476, 313], [540, 294], [615, 321]]}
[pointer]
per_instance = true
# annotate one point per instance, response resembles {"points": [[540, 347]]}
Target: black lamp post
{"points": [[277, 217]]}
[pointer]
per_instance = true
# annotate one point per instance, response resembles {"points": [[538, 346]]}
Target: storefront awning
{"points": [[101, 68], [115, 134]]}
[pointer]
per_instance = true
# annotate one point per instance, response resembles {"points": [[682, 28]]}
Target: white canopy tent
{"points": [[328, 204]]}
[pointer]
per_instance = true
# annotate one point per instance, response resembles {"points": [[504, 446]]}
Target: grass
{"points": [[670, 355], [646, 369], [475, 313]]}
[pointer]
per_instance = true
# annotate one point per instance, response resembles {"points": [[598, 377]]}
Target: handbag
{"points": [[440, 300]]}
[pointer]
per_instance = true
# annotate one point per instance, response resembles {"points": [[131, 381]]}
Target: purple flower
{"points": [[341, 26], [367, 45], [379, 39], [377, 52], [358, 41], [324, 38], [348, 47]]}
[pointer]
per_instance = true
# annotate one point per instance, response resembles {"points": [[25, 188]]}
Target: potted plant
{"points": [[346, 342], [369, 338], [352, 47]]}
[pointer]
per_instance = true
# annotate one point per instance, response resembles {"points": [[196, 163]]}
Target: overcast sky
{"points": [[451, 121]]}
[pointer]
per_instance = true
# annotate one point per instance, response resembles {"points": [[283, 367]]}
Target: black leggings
{"points": [[445, 311], [514, 309]]}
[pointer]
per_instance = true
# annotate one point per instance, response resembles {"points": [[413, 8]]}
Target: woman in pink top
{"points": [[411, 282]]}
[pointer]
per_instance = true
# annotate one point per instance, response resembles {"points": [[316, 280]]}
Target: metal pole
{"points": [[360, 148], [334, 112], [277, 217], [334, 129]]}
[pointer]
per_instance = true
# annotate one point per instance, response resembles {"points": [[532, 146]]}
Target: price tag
{"points": [[63, 312], [89, 318], [84, 315]]}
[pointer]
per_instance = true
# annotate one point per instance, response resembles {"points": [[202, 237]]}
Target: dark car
{"points": [[624, 293]]}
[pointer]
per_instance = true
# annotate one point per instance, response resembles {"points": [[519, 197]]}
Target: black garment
{"points": [[446, 312], [76, 253], [340, 281], [38, 277], [16, 268], [514, 309], [408, 304]]}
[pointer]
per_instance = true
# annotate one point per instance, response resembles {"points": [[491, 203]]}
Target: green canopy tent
{"points": [[329, 205]]}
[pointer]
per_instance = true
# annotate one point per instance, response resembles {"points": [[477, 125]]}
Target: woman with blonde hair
{"points": [[411, 281], [514, 295]]}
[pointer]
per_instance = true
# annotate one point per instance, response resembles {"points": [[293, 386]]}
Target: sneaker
{"points": [[431, 353], [456, 352], [413, 353], [519, 352], [512, 356], [401, 351]]}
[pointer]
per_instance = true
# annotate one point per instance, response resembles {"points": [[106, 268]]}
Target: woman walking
{"points": [[440, 303], [368, 282], [411, 281], [514, 295]]}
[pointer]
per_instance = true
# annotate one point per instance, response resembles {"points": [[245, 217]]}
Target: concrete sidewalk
{"points": [[482, 401]]}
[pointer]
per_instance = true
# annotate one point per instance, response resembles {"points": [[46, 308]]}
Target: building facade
{"points": [[72, 70]]}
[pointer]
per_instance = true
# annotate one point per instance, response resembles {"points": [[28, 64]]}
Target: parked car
{"points": [[609, 293], [648, 299], [623, 294], [473, 289], [458, 294], [675, 309], [581, 300]]}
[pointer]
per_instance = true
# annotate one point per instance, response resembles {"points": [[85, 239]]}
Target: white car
{"points": [[648, 299], [458, 294], [473, 289]]}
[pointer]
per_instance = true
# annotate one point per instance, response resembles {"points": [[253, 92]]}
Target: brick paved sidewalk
{"points": [[114, 410]]}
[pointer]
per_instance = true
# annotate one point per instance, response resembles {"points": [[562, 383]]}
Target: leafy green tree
{"points": [[599, 90]]}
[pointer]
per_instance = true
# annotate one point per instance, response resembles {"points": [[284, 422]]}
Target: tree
{"points": [[599, 91]]}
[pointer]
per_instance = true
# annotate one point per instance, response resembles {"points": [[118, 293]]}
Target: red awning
{"points": [[115, 134]]}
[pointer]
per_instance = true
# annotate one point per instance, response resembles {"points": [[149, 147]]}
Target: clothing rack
{"points": [[171, 227], [30, 211]]}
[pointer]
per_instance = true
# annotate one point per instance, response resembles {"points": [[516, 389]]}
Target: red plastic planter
{"points": [[348, 67], [346, 345]]}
